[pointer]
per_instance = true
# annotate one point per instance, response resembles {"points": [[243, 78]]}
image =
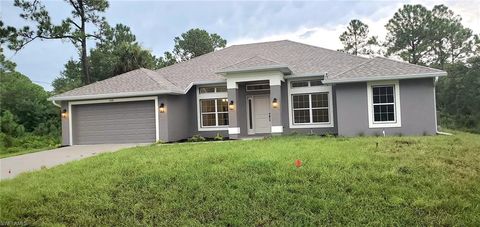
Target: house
{"points": [[265, 88]]}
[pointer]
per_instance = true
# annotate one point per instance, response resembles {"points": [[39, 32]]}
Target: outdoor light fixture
{"points": [[162, 108], [275, 103], [231, 106], [64, 113]]}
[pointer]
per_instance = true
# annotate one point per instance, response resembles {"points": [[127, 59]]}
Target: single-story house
{"points": [[254, 89]]}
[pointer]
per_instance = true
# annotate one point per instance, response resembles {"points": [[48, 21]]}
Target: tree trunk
{"points": [[86, 74]]}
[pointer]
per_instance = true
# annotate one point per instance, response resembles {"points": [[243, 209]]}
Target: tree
{"points": [[70, 77], [72, 28], [459, 97], [167, 60], [450, 40], [355, 38], [117, 53], [408, 33], [196, 42], [25, 100]]}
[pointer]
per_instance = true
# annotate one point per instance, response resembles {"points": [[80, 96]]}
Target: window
{"points": [[310, 108], [258, 87], [212, 108], [214, 112], [310, 104], [306, 83], [218, 89], [384, 104]]}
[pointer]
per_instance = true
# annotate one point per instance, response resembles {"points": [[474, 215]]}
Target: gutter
{"points": [[113, 95], [394, 77]]}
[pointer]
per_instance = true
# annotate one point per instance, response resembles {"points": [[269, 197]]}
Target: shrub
{"points": [[196, 138], [218, 137]]}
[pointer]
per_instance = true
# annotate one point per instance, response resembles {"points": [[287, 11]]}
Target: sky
{"points": [[157, 23]]}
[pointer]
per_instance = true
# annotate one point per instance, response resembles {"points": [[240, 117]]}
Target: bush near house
{"points": [[381, 181]]}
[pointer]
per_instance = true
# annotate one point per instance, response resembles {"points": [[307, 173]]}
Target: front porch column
{"points": [[276, 111], [233, 124]]}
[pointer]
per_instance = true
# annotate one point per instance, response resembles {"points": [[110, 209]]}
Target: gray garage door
{"points": [[122, 122]]}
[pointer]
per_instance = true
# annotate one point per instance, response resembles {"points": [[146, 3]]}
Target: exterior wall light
{"points": [[231, 106], [162, 108], [64, 113], [275, 103]]}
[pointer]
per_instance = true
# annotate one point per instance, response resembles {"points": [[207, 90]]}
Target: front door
{"points": [[261, 114]]}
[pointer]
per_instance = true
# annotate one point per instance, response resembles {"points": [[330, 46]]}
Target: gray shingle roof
{"points": [[301, 59], [382, 68], [253, 62], [139, 80]]}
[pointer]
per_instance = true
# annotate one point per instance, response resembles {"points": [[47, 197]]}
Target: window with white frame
{"points": [[384, 104], [306, 83], [310, 108], [310, 104], [214, 112], [212, 107]]}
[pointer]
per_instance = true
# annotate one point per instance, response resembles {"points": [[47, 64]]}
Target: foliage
{"points": [[458, 96], [73, 28], [408, 33], [355, 40], [25, 100], [10, 146], [218, 136], [405, 181], [117, 53], [450, 40], [196, 42], [70, 77], [196, 138], [9, 125]]}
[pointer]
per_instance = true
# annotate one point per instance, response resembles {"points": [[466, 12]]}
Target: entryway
{"points": [[258, 114]]}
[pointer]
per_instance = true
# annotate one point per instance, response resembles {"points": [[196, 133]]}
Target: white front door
{"points": [[261, 114]]}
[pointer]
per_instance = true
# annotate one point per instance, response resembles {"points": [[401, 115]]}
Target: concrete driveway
{"points": [[12, 166]]}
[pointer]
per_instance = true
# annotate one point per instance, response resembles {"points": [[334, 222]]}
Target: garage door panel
{"points": [[113, 122], [122, 122]]}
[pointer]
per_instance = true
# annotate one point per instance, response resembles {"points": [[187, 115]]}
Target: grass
{"points": [[28, 143], [343, 181], [6, 154]]}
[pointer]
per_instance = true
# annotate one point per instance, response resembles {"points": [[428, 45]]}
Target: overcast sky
{"points": [[156, 23]]}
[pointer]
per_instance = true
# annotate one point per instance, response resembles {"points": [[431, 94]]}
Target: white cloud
{"points": [[328, 36]]}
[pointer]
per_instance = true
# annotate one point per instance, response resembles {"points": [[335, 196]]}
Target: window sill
{"points": [[326, 125], [385, 125], [213, 129]]}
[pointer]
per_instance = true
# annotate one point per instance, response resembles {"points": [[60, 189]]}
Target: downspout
{"points": [[435, 108], [56, 104]]}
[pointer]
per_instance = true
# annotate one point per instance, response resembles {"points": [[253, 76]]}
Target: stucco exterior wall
{"points": [[417, 104], [65, 125]]}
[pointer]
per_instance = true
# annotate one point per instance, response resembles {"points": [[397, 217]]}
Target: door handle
{"points": [[269, 117]]}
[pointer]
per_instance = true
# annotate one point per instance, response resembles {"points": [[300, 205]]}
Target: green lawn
{"points": [[343, 181]]}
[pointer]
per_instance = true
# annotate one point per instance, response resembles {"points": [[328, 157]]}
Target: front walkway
{"points": [[12, 166]]}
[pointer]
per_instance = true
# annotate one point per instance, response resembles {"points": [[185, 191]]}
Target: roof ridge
{"points": [[273, 41], [147, 72], [354, 67], [407, 63], [246, 59], [330, 50], [195, 58]]}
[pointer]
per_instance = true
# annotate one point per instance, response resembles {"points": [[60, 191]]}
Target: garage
{"points": [[113, 122]]}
